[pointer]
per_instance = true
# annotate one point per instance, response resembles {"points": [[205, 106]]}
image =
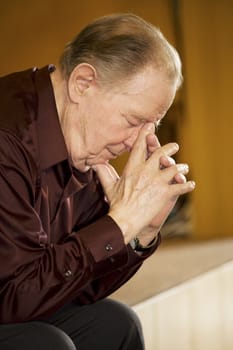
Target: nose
{"points": [[131, 139]]}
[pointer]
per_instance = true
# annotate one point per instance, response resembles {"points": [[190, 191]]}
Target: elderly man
{"points": [[72, 231]]}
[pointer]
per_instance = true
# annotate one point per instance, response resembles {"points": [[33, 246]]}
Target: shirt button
{"points": [[51, 68], [68, 273], [108, 247]]}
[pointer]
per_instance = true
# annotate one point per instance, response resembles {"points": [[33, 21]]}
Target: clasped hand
{"points": [[142, 198]]}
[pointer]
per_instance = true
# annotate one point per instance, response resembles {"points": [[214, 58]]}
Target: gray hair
{"points": [[119, 46]]}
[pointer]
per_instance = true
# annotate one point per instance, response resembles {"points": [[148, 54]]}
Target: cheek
{"points": [[108, 133], [106, 126]]}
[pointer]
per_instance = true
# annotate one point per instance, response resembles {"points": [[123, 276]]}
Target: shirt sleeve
{"points": [[109, 283], [37, 279]]}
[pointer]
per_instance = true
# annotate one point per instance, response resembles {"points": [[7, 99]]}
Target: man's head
{"points": [[119, 46], [118, 74]]}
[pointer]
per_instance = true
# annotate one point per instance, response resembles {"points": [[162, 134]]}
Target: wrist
{"points": [[146, 236], [124, 225]]}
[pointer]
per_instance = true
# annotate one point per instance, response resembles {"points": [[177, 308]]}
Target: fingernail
{"points": [[183, 168], [193, 184]]}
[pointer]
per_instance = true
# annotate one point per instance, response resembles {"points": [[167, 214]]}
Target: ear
{"points": [[81, 78]]}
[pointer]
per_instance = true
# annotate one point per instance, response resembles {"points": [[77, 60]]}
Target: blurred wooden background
{"points": [[33, 33]]}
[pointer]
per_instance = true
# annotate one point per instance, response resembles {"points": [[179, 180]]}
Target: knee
{"points": [[51, 337], [124, 319]]}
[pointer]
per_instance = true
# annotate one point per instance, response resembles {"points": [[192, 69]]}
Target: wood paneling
{"points": [[35, 32], [207, 128]]}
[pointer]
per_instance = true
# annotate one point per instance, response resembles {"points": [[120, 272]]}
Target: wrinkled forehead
{"points": [[150, 92]]}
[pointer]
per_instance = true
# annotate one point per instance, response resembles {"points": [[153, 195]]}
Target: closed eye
{"points": [[134, 122], [134, 125]]}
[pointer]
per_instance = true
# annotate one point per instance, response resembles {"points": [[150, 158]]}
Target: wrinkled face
{"points": [[106, 123]]}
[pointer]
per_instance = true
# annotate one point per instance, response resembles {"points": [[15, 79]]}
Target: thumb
{"points": [[107, 176]]}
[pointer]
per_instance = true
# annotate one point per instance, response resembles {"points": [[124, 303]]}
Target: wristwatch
{"points": [[136, 245]]}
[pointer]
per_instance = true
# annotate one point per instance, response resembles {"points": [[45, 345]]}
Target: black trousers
{"points": [[104, 325]]}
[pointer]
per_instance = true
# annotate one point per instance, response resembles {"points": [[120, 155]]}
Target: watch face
{"points": [[133, 243]]}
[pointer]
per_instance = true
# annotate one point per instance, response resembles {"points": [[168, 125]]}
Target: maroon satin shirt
{"points": [[57, 243]]}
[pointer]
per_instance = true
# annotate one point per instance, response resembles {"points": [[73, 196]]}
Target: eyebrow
{"points": [[140, 117]]}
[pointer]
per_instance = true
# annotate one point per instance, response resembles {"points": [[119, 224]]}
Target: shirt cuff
{"points": [[103, 239]]}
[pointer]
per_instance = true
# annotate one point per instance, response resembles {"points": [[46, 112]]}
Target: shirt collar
{"points": [[50, 137]]}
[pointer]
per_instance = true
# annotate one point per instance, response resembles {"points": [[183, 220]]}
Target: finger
{"points": [[171, 172], [138, 154], [179, 189], [107, 176], [164, 151], [179, 178], [152, 144], [166, 161]]}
